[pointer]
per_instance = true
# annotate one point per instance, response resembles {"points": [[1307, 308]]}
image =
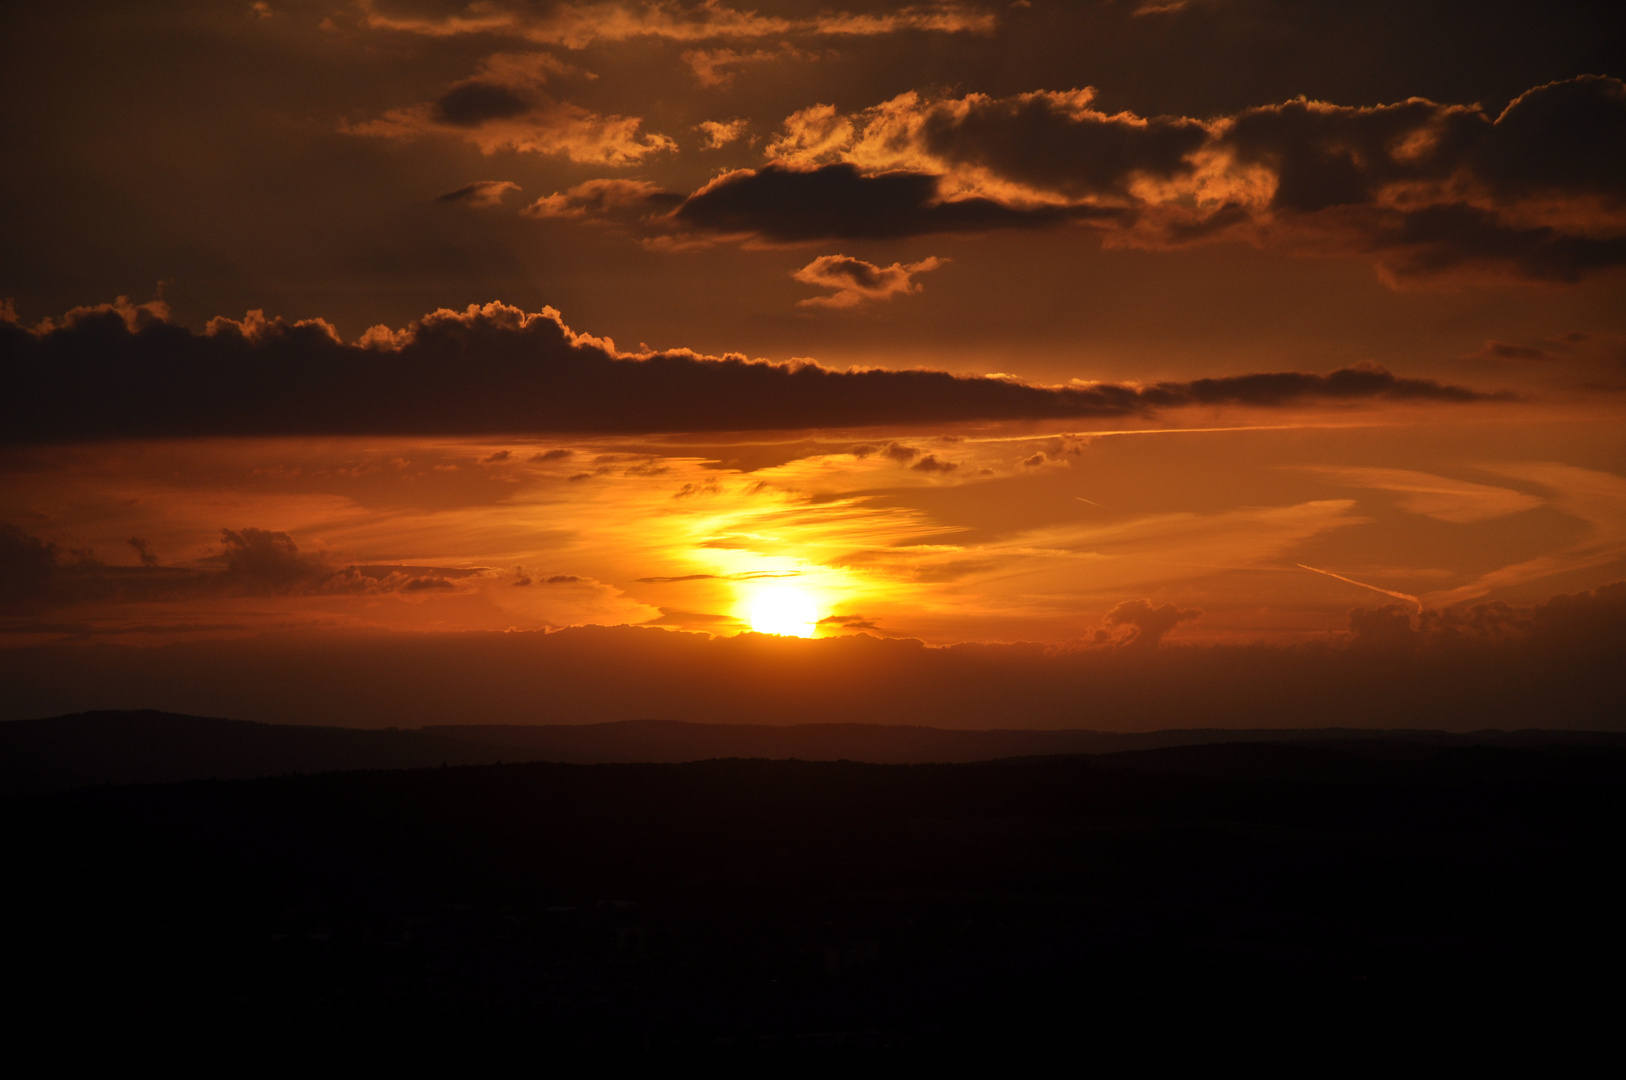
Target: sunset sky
{"points": [[1089, 325]]}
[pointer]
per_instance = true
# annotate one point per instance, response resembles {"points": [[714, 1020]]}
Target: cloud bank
{"points": [[1424, 189], [120, 370]]}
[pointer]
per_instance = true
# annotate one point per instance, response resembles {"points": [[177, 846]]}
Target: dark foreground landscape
{"points": [[1362, 886]]}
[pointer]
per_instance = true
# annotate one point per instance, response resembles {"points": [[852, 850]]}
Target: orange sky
{"points": [[1256, 315]]}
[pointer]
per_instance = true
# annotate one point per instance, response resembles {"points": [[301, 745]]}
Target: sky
{"points": [[1129, 333]]}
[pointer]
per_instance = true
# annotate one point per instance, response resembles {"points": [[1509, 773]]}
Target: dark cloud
{"points": [[1285, 387], [1537, 192], [848, 622], [1565, 137], [473, 103], [1590, 622], [36, 574], [481, 193], [262, 561], [143, 552], [932, 464], [1428, 242], [1429, 189], [1136, 624], [126, 372], [1055, 142], [1325, 155], [841, 202], [1502, 350]]}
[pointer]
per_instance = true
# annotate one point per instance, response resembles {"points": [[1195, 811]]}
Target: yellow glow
{"points": [[783, 609]]}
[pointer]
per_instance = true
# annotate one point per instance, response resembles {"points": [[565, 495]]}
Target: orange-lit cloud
{"points": [[1437, 496], [575, 26], [1425, 190], [482, 193], [854, 281], [719, 133], [506, 106], [718, 67]]}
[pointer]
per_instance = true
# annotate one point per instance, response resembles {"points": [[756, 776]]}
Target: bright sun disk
{"points": [[784, 610]]}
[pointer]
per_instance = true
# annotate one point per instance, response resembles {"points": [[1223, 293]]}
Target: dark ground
{"points": [[1251, 893]]}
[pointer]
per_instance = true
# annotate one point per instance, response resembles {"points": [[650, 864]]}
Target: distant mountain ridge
{"points": [[144, 746]]}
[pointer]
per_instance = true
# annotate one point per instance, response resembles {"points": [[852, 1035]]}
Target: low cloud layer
{"points": [[37, 575], [125, 371], [1553, 665], [1424, 189]]}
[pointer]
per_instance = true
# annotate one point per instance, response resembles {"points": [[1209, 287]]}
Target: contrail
{"points": [[1092, 502], [1386, 592]]}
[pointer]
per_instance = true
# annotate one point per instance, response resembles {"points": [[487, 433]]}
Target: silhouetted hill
{"points": [[675, 741], [153, 747], [85, 749]]}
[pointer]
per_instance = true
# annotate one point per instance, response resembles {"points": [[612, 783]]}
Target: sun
{"points": [[783, 610]]}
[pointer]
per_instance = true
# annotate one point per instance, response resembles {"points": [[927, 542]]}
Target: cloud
{"points": [[932, 464], [121, 371], [1432, 188], [1442, 498], [719, 133], [576, 26], [856, 282], [1588, 623], [715, 67], [37, 574], [1136, 624], [1502, 350], [626, 202], [1039, 147], [1424, 190], [143, 552], [482, 193], [1594, 360], [827, 202], [506, 106]]}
